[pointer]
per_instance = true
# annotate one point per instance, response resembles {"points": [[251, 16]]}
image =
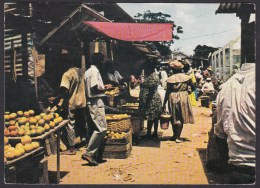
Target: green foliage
{"points": [[159, 17], [203, 51]]}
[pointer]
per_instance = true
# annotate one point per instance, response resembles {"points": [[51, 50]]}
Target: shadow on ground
{"points": [[213, 177], [53, 176]]}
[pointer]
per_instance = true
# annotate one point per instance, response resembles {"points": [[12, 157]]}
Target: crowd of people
{"points": [[173, 90]]}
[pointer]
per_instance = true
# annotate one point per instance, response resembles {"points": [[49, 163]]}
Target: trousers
{"points": [[98, 126]]}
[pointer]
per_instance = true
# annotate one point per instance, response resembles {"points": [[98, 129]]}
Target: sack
{"points": [[217, 153]]}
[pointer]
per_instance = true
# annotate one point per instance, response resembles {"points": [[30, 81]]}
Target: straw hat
{"points": [[176, 64]]}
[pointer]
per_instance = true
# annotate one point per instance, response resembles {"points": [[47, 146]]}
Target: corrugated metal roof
{"points": [[235, 8]]}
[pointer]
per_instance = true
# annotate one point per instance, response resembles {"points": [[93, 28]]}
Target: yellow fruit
{"points": [[5, 160], [41, 122], [46, 127], [19, 145], [17, 153], [27, 133], [56, 115], [26, 114], [60, 119], [13, 116], [20, 113], [6, 140], [33, 132], [7, 147], [42, 115], [35, 145], [31, 112], [52, 124], [28, 147], [46, 118], [51, 117], [38, 117], [7, 117], [26, 139], [12, 122], [9, 155], [56, 121], [32, 121], [32, 126], [21, 132]]}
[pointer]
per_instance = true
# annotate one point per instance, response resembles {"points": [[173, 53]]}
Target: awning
{"points": [[134, 31]]}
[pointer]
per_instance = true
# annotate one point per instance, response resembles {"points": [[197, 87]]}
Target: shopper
{"points": [[150, 103], [178, 99], [95, 92], [72, 97]]}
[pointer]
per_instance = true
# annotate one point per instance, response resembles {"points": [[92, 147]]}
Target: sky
{"points": [[199, 22]]}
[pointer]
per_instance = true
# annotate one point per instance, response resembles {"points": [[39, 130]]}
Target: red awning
{"points": [[134, 31]]}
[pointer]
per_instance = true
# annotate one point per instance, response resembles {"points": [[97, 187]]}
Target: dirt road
{"points": [[164, 162]]}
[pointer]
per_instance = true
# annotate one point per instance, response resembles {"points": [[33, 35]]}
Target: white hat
{"points": [[208, 79]]}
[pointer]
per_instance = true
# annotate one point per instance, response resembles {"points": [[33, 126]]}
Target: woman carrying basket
{"points": [[179, 103]]}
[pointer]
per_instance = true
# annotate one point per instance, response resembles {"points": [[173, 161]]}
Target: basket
{"points": [[164, 121], [121, 125]]}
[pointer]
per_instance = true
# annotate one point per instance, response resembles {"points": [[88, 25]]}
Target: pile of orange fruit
{"points": [[26, 145], [27, 123]]}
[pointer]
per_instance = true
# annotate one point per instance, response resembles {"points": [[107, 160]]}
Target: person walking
{"points": [[178, 99], [95, 92], [150, 103]]}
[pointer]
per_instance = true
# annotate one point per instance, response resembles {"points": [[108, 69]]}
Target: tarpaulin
{"points": [[134, 31]]}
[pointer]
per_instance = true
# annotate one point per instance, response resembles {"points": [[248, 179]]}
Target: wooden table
{"points": [[29, 159], [43, 137]]}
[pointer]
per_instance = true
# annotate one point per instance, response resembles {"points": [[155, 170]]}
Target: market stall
{"points": [[29, 129]]}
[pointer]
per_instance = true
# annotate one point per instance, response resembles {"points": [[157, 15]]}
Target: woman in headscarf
{"points": [[178, 99], [150, 103]]}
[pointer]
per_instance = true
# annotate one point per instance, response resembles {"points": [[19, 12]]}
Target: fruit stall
{"points": [[24, 132]]}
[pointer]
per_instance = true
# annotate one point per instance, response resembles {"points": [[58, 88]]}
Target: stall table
{"points": [[35, 159], [42, 139]]}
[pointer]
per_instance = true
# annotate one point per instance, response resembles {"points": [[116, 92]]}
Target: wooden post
{"points": [[230, 59], [219, 65], [43, 168], [58, 156], [24, 56], [244, 23], [224, 64]]}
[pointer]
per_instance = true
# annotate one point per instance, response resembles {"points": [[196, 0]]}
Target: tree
{"points": [[203, 51], [159, 17]]}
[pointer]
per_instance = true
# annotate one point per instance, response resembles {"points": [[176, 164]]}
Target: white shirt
{"points": [[236, 107], [198, 75], [93, 78], [116, 77], [208, 86]]}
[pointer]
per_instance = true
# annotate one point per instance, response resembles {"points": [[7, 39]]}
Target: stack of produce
{"points": [[113, 135], [26, 145], [116, 116], [27, 123], [113, 92]]}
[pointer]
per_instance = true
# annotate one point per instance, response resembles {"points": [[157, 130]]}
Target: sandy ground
{"points": [[163, 162]]}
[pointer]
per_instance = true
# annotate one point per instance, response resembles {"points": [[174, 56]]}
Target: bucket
{"points": [[164, 121]]}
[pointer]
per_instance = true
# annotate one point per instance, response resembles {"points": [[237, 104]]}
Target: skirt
{"points": [[180, 108]]}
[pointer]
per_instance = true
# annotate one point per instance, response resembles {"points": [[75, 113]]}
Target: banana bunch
{"points": [[113, 135], [116, 116]]}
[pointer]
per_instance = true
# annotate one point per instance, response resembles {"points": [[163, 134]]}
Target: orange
{"points": [[26, 114], [41, 122], [20, 113], [6, 140], [32, 121], [31, 112]]}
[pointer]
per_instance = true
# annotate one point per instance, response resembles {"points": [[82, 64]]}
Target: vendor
{"points": [[112, 76], [208, 86]]}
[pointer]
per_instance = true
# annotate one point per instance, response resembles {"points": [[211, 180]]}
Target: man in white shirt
{"points": [[95, 92], [236, 107]]}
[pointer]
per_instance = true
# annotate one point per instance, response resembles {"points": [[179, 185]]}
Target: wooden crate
{"points": [[118, 148]]}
